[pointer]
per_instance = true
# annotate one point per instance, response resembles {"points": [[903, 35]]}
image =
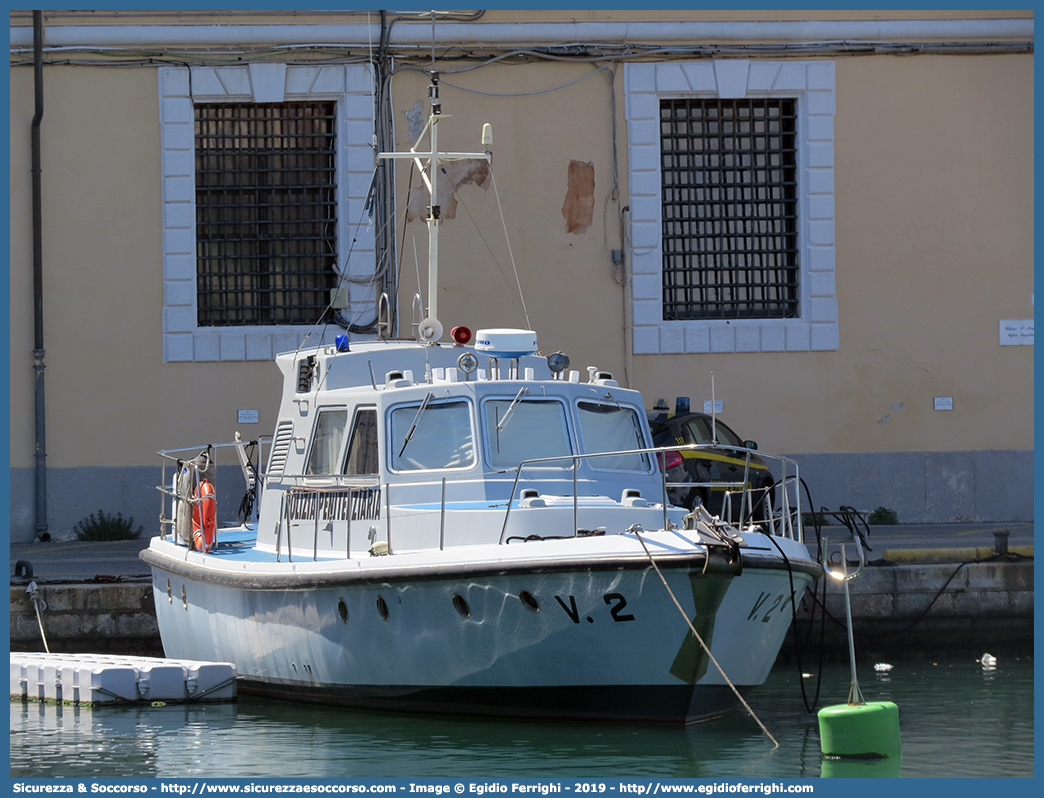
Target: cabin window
{"points": [[428, 435], [326, 441], [612, 428], [361, 459], [525, 430]]}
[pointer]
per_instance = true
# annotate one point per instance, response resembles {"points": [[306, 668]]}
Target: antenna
{"points": [[714, 413], [430, 329]]}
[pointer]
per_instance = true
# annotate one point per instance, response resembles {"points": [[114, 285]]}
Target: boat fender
{"points": [[204, 517], [184, 486], [379, 548]]}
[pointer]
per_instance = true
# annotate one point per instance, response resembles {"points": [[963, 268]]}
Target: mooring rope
{"points": [[33, 591], [635, 529]]}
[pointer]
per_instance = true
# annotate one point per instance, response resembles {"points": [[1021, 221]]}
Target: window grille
{"points": [[266, 213], [729, 198]]}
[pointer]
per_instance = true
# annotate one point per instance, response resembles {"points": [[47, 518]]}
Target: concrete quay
{"points": [[927, 589], [922, 610]]}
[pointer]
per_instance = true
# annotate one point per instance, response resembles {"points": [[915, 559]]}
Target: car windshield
{"points": [[699, 430]]}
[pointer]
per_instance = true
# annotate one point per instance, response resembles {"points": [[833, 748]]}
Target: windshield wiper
{"points": [[416, 419], [634, 422], [503, 422]]}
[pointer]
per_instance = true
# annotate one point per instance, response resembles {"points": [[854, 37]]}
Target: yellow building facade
{"points": [[865, 306]]}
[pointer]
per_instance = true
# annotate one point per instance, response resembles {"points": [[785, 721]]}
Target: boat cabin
{"points": [[404, 446]]}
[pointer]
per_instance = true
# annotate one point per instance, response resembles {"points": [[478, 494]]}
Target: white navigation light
{"points": [[506, 342], [467, 363]]}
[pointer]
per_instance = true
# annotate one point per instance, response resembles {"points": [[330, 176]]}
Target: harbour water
{"points": [[956, 720]]}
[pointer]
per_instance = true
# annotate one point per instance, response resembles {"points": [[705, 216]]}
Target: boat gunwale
{"points": [[292, 578]]}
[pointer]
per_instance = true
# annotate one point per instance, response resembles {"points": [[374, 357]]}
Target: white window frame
{"points": [[394, 461], [351, 87], [585, 449], [812, 84], [488, 433]]}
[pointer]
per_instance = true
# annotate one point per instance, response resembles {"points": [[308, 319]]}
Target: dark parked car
{"points": [[717, 470]]}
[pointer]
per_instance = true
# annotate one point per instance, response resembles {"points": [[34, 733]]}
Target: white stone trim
{"points": [[350, 86], [812, 83]]}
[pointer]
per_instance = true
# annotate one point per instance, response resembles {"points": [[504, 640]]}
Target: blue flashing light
{"points": [[341, 342]]}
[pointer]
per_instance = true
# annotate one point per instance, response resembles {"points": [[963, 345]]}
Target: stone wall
{"points": [[924, 610], [112, 618]]}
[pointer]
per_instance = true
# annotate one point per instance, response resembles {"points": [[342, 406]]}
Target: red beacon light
{"points": [[460, 335]]}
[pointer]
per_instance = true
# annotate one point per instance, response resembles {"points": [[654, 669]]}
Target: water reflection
{"points": [[955, 720]]}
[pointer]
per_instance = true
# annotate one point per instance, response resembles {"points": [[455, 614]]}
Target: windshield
{"points": [[534, 429], [700, 432], [431, 435], [612, 428]]}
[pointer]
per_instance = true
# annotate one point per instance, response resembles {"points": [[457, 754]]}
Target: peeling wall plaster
{"points": [[578, 208], [453, 176]]}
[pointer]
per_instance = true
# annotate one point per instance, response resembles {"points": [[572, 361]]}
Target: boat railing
{"points": [[356, 502], [384, 319], [308, 496], [189, 455], [782, 521]]}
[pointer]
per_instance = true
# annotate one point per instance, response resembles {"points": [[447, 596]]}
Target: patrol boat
{"points": [[467, 526]]}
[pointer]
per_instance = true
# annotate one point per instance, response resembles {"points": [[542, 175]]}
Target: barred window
{"points": [[266, 215], [729, 199]]}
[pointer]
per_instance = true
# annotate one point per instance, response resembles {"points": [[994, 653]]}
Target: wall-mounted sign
{"points": [[247, 416], [1016, 332]]}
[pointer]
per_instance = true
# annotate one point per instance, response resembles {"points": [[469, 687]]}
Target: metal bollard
{"points": [[1000, 542]]}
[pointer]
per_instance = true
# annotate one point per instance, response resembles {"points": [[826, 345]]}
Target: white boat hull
{"points": [[592, 639]]}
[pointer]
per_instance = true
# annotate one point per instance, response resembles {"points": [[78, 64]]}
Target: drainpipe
{"points": [[38, 338], [628, 298]]}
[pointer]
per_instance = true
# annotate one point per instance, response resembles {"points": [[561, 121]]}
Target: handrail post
{"points": [[663, 482], [442, 517], [315, 536], [745, 499], [511, 498], [387, 514], [279, 526], [163, 499], [289, 538], [800, 534], [576, 498]]}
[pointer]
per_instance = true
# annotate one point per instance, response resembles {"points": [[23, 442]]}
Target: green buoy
{"points": [[869, 730], [852, 735]]}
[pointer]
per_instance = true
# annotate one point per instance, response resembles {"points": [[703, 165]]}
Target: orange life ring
{"points": [[204, 517]]}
